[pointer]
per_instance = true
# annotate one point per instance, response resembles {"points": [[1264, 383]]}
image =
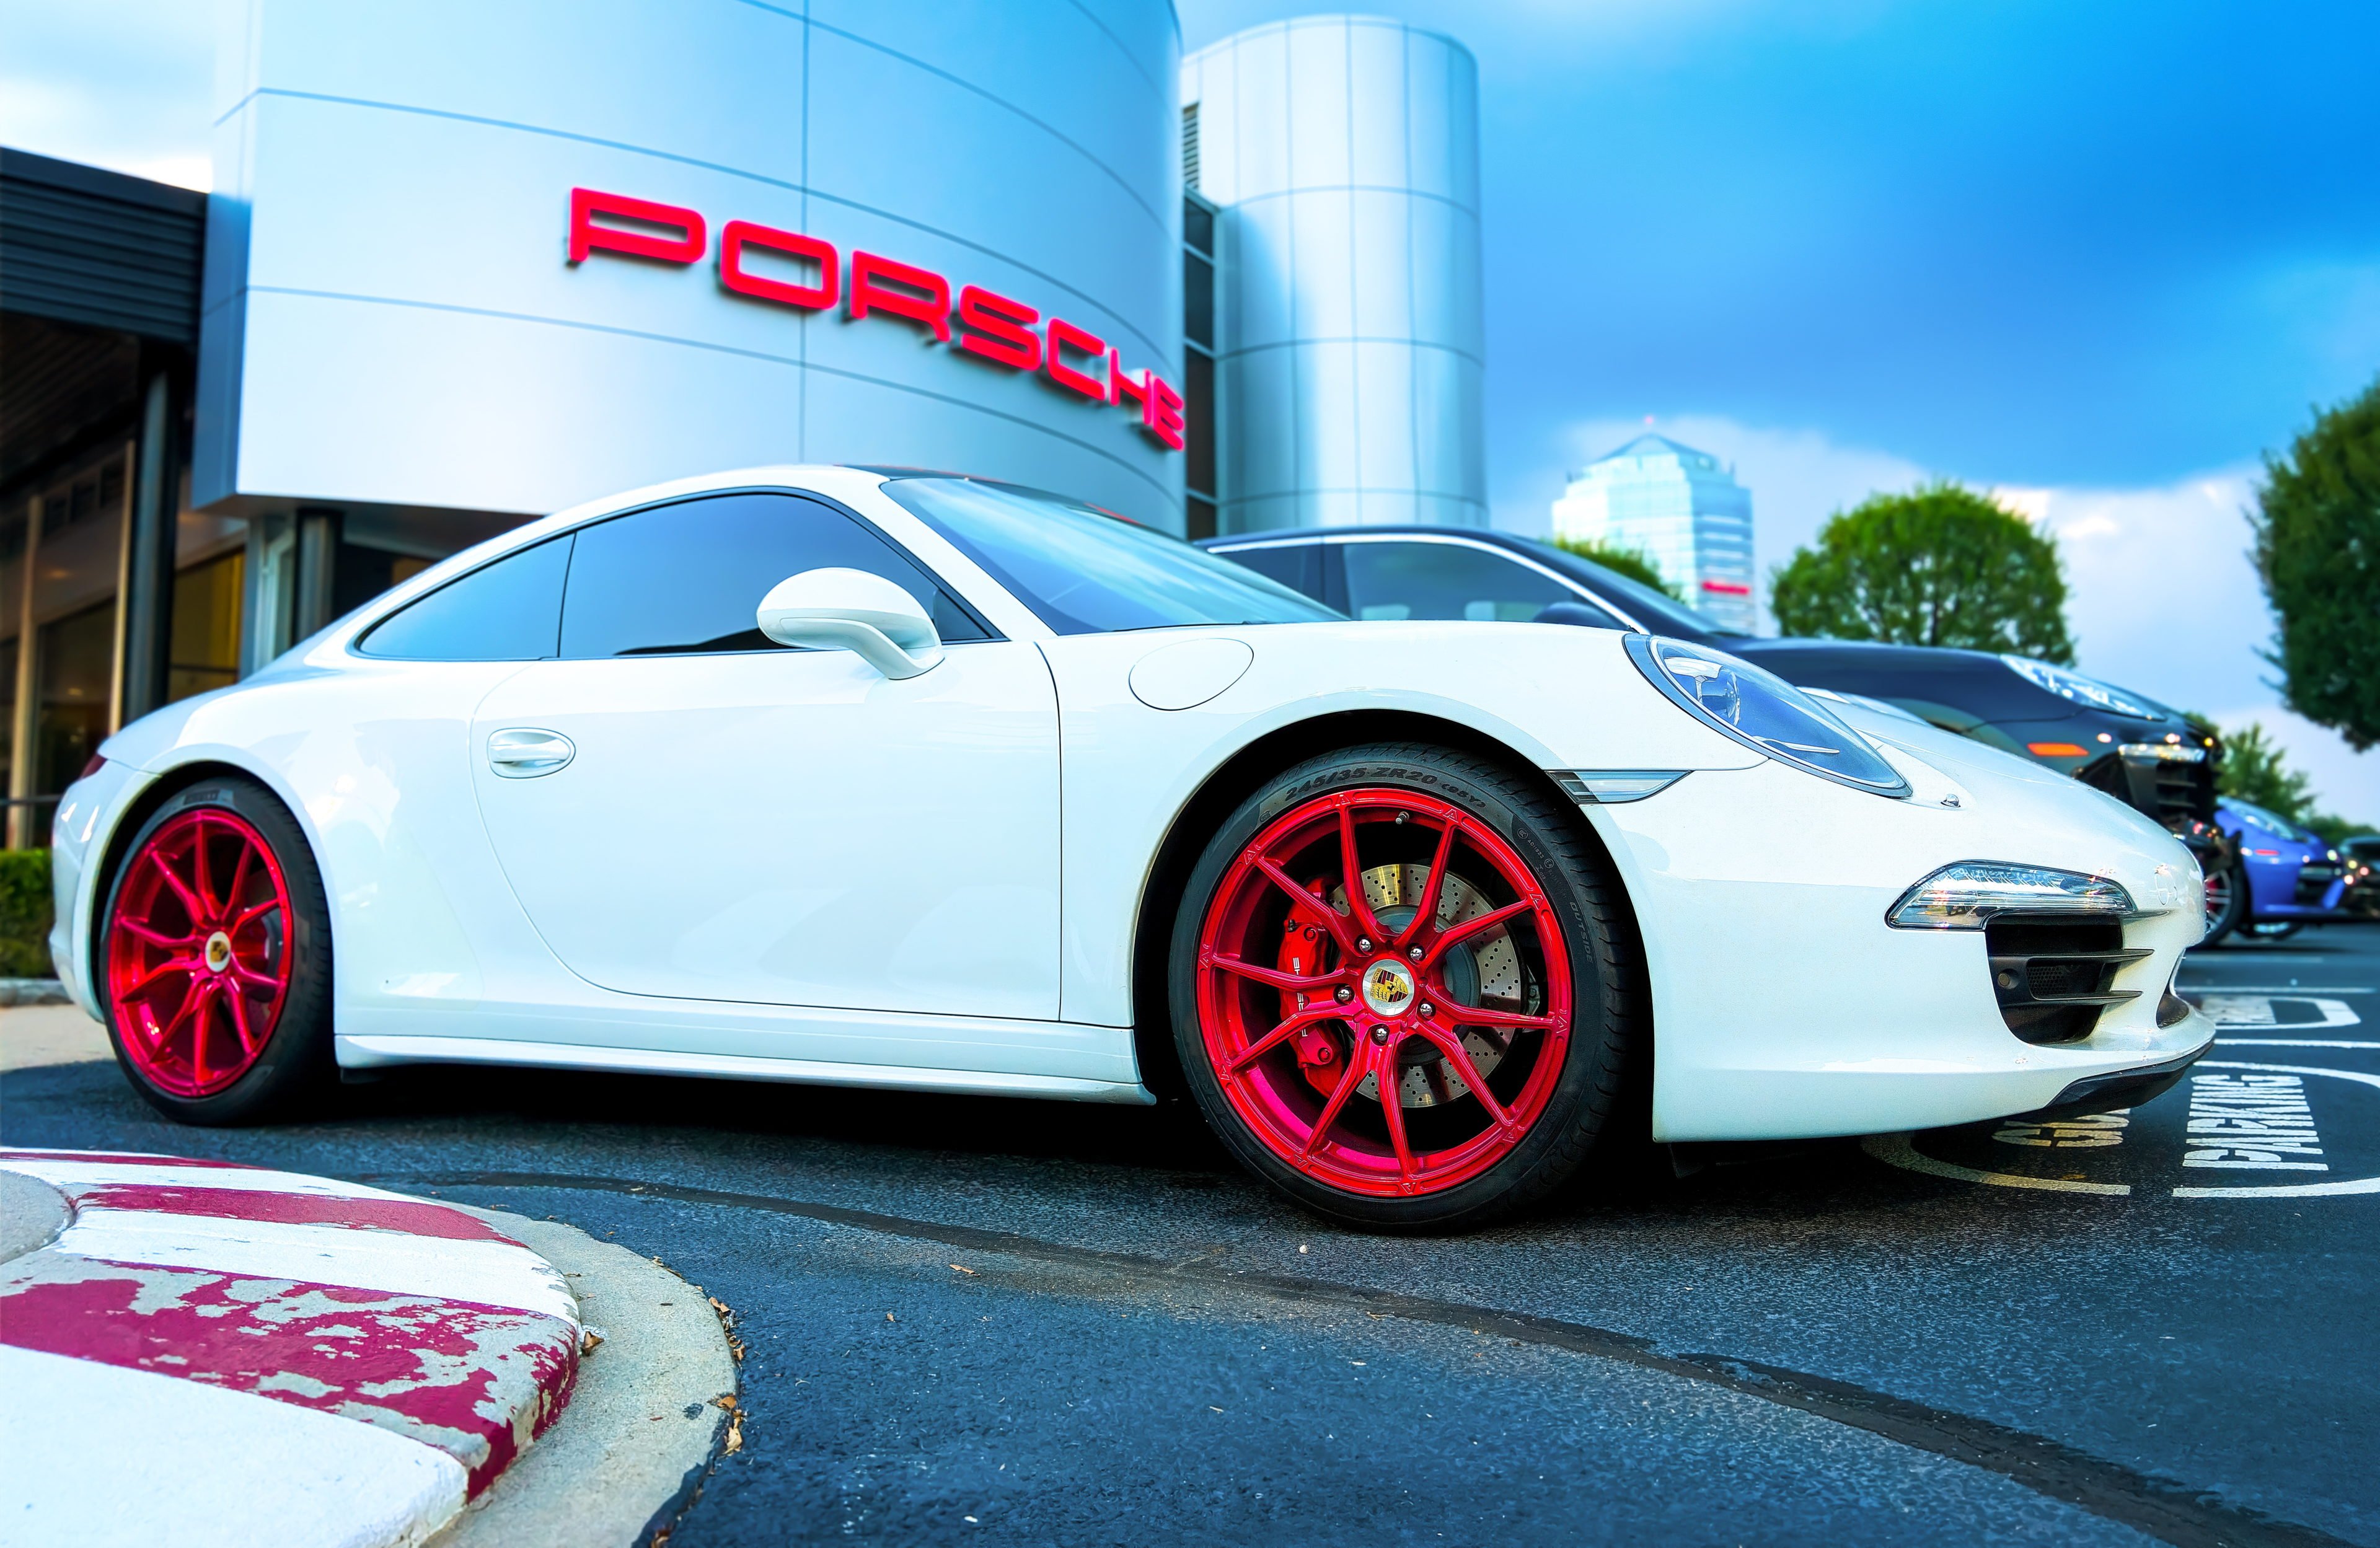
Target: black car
{"points": [[2359, 857], [2137, 750]]}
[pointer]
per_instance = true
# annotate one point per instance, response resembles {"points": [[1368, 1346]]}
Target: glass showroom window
{"points": [[65, 549]]}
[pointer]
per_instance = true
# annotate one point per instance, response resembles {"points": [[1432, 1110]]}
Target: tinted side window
{"points": [[510, 610], [1446, 580], [687, 578], [1295, 565]]}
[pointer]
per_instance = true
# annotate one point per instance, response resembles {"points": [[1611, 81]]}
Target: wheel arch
{"points": [[1231, 781], [100, 876]]}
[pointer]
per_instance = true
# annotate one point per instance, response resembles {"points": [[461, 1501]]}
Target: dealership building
{"points": [[466, 264]]}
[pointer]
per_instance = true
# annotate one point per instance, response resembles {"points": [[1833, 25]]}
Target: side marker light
{"points": [[1612, 786]]}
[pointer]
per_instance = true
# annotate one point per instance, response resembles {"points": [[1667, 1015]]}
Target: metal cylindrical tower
{"points": [[1343, 152]]}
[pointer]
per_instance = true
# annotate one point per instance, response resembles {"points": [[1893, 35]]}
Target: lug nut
{"points": [[1363, 943], [1344, 994], [1414, 953], [1428, 1008], [1379, 1035]]}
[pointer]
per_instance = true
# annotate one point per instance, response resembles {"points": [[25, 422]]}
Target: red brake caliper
{"points": [[1304, 938]]}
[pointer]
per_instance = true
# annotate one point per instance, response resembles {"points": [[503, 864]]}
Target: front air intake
{"points": [[2051, 975]]}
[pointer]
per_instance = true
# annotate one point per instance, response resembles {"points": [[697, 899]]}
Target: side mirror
{"points": [[851, 609]]}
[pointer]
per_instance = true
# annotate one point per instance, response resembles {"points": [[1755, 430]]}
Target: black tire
{"points": [[297, 1066], [2233, 909], [1607, 1017]]}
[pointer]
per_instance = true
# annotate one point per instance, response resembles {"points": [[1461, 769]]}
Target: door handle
{"points": [[525, 753]]}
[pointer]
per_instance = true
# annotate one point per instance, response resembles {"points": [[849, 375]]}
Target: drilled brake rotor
{"points": [[1484, 971]]}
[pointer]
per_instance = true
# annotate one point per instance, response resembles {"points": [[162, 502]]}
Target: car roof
{"points": [[1376, 529]]}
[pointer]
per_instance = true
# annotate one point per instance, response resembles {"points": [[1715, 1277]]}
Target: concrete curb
{"points": [[332, 1362], [33, 991], [644, 1424]]}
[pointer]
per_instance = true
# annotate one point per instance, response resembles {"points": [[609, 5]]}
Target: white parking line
{"points": [[1896, 1150], [2287, 991], [2298, 1042], [2256, 1011]]}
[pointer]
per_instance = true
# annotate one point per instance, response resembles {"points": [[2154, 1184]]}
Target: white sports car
{"points": [[891, 780]]}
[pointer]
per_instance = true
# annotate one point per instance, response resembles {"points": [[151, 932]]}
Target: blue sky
{"points": [[2099, 258], [2020, 241]]}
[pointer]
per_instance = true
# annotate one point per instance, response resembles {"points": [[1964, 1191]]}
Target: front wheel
{"points": [[1402, 991], [213, 957]]}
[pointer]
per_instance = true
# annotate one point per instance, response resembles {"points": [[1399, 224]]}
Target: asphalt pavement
{"points": [[1019, 1321]]}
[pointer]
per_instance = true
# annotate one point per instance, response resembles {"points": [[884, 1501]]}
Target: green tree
{"points": [[1635, 563], [1943, 566], [2255, 769], [2318, 554]]}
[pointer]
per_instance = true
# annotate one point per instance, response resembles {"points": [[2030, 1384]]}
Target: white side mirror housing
{"points": [[851, 609]]}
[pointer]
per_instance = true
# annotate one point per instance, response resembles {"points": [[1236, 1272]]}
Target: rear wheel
{"points": [[1400, 989], [214, 956]]}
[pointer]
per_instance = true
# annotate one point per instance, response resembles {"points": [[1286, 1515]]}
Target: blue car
{"points": [[2292, 877]]}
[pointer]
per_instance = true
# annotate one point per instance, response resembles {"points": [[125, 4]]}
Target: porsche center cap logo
{"points": [[1388, 989]]}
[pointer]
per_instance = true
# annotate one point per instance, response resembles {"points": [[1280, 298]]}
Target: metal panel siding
{"points": [[403, 328], [1353, 334], [80, 244]]}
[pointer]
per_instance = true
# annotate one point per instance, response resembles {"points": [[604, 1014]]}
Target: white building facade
{"points": [[1682, 510], [472, 260], [1343, 155]]}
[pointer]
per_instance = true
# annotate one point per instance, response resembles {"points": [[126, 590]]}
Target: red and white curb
{"points": [[210, 1352]]}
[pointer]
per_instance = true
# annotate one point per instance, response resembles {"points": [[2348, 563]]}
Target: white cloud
{"points": [[2164, 596]]}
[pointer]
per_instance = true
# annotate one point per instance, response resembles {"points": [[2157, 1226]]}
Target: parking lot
{"points": [[1032, 1322]]}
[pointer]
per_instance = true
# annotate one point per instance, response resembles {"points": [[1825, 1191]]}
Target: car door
{"points": [[686, 809]]}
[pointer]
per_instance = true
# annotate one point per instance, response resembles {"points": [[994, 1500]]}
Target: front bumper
{"points": [[2126, 1088], [1783, 1005]]}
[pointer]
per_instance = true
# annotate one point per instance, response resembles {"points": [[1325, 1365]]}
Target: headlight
{"points": [[1763, 712], [2160, 752], [1966, 895], [2075, 688]]}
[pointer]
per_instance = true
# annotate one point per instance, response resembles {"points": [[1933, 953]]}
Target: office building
{"points": [[1679, 508]]}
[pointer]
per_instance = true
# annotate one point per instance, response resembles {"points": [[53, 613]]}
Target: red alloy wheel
{"points": [[1319, 973], [197, 951]]}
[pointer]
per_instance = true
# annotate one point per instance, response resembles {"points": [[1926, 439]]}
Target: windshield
{"points": [[2271, 822], [1084, 571], [1658, 612]]}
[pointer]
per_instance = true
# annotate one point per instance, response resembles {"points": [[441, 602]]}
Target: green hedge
{"points": [[25, 913]]}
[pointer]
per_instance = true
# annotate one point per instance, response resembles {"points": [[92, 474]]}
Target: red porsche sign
{"points": [[991, 325]]}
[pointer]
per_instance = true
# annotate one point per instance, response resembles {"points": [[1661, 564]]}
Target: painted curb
{"points": [[334, 1363], [644, 1425]]}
